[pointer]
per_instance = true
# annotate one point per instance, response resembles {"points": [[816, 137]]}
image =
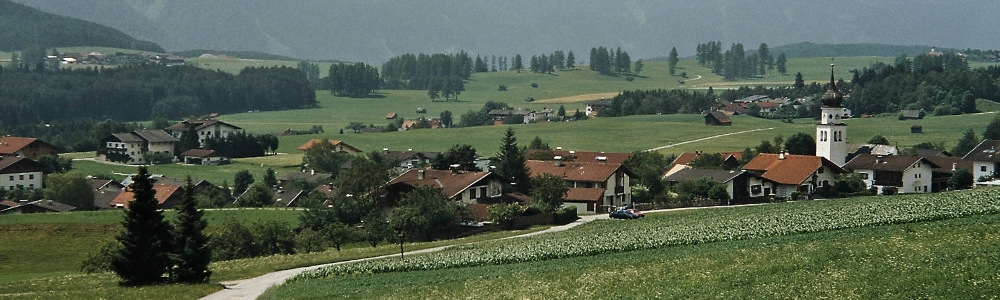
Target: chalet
{"points": [[784, 174], [717, 118], [894, 174], [131, 147], [204, 157], [476, 190], [205, 129], [499, 115], [288, 198], [167, 196], [586, 178], [409, 159], [310, 177], [753, 99], [25, 147], [336, 146], [38, 206], [19, 172], [767, 108], [984, 158]]}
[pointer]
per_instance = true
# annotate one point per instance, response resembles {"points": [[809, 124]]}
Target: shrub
{"points": [[502, 88], [534, 85], [100, 261], [565, 216]]}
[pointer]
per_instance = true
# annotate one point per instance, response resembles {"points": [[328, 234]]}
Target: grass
{"points": [[26, 272], [941, 259]]}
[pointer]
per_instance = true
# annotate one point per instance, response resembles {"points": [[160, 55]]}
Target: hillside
{"points": [[807, 49], [24, 26]]}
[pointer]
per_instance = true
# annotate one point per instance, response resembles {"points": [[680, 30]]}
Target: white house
{"points": [[19, 172], [206, 129], [984, 158], [894, 174]]}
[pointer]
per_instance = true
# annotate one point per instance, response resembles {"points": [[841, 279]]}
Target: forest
{"points": [[24, 26]]}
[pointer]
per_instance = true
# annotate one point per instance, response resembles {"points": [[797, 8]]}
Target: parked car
{"points": [[636, 212], [623, 214]]}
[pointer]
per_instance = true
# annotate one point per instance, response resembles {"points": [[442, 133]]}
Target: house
{"points": [[947, 165], [390, 116], [204, 157], [105, 190], [20, 172], [409, 159], [753, 99], [337, 146], [205, 129], [894, 174], [784, 174], [855, 149], [984, 158], [734, 180], [473, 189], [594, 107], [25, 147], [5, 204], [499, 115], [585, 179], [767, 108], [310, 177], [167, 196], [132, 147], [38, 206], [717, 118], [288, 198]]}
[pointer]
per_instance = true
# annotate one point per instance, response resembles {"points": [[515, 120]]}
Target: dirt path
{"points": [[707, 138]]}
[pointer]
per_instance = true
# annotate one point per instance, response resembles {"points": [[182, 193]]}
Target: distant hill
{"points": [[807, 49], [24, 26], [236, 54]]}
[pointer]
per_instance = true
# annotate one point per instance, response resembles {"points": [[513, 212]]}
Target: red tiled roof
{"points": [[451, 183], [574, 171], [163, 193], [793, 169], [11, 144]]}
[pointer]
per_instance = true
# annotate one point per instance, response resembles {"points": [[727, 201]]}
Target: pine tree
{"points": [[143, 257], [672, 60], [513, 162], [191, 254]]}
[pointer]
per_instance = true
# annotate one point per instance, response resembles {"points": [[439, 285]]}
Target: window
{"points": [[755, 189], [982, 168], [864, 175], [20, 177], [472, 193], [31, 176], [11, 177], [820, 170]]}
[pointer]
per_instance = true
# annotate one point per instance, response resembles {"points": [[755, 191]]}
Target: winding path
{"points": [[707, 138]]}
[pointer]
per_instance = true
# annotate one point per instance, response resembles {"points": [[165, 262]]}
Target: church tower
{"points": [[831, 132]]}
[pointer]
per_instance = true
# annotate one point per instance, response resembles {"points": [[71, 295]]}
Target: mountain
{"points": [[375, 30], [24, 26]]}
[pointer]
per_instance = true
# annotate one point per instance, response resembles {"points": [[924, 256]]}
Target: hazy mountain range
{"points": [[375, 30]]}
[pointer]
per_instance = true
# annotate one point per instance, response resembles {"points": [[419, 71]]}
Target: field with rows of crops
{"points": [[762, 223]]}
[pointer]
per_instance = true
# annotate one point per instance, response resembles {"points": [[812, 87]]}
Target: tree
{"points": [[324, 157], [765, 61], [561, 112], [709, 161], [242, 181], [965, 144], [338, 233], [548, 191], [799, 82], [518, 65], [72, 188], [960, 179], [537, 143], [462, 155], [672, 60], [878, 139], [801, 144], [426, 213], [258, 195], [993, 130], [766, 147], [270, 179], [143, 257], [191, 254], [780, 62], [54, 164], [512, 163], [446, 119], [504, 214], [570, 60]]}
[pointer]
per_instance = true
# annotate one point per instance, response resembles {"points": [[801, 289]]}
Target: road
{"points": [[707, 138]]}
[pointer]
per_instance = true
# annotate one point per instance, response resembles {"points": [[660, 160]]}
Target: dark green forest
{"points": [[33, 101], [22, 27]]}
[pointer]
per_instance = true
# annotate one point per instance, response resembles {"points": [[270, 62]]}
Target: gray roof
{"points": [[127, 137], [46, 204], [985, 151], [695, 174], [156, 136]]}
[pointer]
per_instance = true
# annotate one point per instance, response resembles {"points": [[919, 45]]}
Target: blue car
{"points": [[623, 214]]}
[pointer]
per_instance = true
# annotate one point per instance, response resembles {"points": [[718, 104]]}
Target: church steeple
{"points": [[832, 97]]}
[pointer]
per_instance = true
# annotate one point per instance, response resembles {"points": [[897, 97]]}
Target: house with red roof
{"points": [[167, 196], [25, 147], [594, 186], [337, 146], [783, 174], [476, 190]]}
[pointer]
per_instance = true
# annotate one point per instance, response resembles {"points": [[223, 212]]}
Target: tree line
{"points": [[607, 62], [939, 84], [736, 63]]}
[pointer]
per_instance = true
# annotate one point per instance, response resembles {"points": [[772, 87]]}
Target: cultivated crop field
{"points": [[612, 244]]}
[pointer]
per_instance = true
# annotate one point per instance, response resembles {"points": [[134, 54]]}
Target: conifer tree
{"points": [[191, 254], [143, 257], [513, 162]]}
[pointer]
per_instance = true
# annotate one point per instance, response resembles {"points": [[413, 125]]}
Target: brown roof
{"points": [[575, 170], [312, 142], [46, 205], [945, 163], [695, 174], [720, 116], [202, 153], [584, 195], [390, 155], [7, 204], [156, 136], [687, 157], [127, 137], [12, 144], [985, 151], [163, 193], [18, 164], [793, 169], [451, 183], [885, 162]]}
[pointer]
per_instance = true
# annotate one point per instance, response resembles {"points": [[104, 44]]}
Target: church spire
{"points": [[832, 97]]}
